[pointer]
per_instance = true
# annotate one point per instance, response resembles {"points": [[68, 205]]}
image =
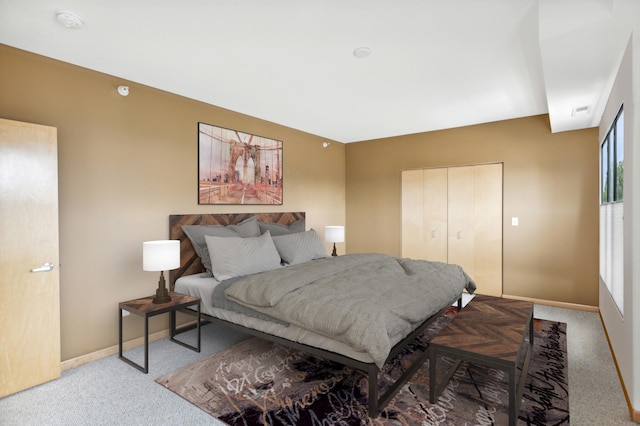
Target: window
{"points": [[619, 160], [611, 210], [612, 162], [604, 171]]}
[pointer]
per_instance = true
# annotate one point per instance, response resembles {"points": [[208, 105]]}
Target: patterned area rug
{"points": [[258, 382]]}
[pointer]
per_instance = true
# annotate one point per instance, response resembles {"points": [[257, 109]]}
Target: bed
{"points": [[260, 300]]}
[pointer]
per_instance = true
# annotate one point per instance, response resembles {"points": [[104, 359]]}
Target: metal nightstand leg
{"points": [[172, 327], [145, 307], [144, 369]]}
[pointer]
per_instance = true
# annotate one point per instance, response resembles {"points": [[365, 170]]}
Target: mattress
{"points": [[198, 286]]}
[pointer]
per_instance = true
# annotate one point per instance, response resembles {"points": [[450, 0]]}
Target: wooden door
{"points": [[29, 301], [454, 215], [435, 215], [424, 214], [412, 214], [461, 218], [487, 198], [475, 224]]}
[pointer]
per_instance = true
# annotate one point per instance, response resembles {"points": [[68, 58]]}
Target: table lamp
{"points": [[334, 234], [161, 255]]}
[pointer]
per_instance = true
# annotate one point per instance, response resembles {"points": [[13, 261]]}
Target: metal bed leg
{"points": [[373, 391], [376, 402], [513, 413]]}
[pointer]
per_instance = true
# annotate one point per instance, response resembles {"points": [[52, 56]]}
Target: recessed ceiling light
{"points": [[69, 20], [362, 52]]}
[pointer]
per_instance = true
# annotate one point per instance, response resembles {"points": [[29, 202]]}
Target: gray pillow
{"points": [[277, 229], [196, 233], [235, 256], [299, 247]]}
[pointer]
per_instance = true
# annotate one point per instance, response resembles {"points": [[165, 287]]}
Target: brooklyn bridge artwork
{"points": [[238, 168]]}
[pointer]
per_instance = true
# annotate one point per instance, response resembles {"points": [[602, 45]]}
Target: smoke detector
{"points": [[69, 20], [361, 52]]}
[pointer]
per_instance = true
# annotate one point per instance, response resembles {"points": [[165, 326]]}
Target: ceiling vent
{"points": [[582, 110]]}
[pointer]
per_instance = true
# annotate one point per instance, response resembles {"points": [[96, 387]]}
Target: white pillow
{"points": [[235, 256], [299, 247]]}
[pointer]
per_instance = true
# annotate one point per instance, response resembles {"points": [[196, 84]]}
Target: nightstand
{"points": [[146, 308]]}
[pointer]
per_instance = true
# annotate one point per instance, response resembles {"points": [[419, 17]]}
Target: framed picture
{"points": [[238, 168]]}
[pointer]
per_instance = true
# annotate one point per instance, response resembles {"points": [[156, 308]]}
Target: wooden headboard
{"points": [[189, 260]]}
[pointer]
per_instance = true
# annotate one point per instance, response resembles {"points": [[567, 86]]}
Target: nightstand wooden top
{"points": [[146, 306]]}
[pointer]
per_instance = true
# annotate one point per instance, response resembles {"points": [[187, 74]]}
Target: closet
{"points": [[454, 215]]}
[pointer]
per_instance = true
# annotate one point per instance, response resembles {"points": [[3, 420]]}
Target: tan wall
{"points": [[550, 184], [125, 165]]}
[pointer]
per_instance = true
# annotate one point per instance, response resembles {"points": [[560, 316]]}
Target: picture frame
{"points": [[237, 167]]}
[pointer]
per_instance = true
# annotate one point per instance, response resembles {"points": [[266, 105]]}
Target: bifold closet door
{"points": [[488, 222], [412, 214], [461, 233], [454, 215], [475, 224], [424, 214], [435, 214]]}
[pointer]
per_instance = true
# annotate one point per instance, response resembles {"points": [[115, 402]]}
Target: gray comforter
{"points": [[368, 301]]}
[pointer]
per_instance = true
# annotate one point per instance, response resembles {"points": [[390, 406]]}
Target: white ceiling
{"points": [[434, 64]]}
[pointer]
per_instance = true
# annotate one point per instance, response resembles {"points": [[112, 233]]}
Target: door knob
{"points": [[47, 267]]}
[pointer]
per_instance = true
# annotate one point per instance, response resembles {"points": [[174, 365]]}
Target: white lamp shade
{"points": [[160, 255], [334, 234]]}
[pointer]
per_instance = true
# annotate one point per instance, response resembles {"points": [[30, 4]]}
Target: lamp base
{"points": [[162, 294], [334, 252]]}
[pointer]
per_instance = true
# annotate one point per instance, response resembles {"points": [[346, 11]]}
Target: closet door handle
{"points": [[459, 235], [47, 267]]}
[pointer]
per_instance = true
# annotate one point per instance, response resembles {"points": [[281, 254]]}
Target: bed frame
{"points": [[190, 264]]}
